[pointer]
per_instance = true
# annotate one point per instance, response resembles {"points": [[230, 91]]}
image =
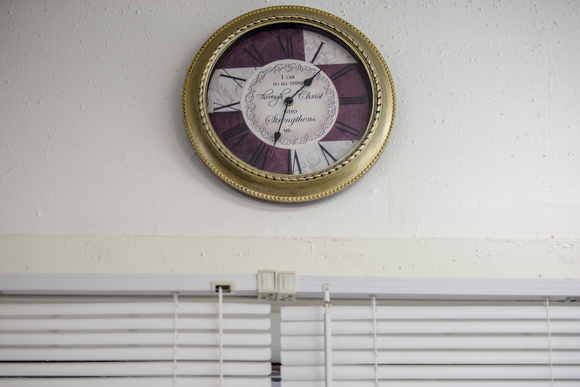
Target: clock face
{"points": [[289, 99], [288, 104]]}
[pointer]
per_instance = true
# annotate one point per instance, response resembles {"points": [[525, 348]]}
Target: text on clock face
{"points": [[284, 83], [274, 98], [275, 119]]}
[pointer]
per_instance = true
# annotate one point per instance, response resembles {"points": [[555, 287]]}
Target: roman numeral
{"points": [[259, 156], [352, 100], [228, 106], [232, 77], [253, 52], [347, 130], [235, 79], [325, 153], [236, 135], [293, 163], [341, 72], [317, 52], [287, 50]]}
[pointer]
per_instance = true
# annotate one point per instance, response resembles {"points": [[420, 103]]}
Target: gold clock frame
{"points": [[278, 187]]}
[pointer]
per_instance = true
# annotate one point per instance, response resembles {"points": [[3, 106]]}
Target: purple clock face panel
{"points": [[289, 99]]}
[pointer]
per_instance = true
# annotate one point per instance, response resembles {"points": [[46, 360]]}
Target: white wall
{"points": [[484, 153]]}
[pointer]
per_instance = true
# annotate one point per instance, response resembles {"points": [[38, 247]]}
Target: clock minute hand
{"points": [[307, 82]]}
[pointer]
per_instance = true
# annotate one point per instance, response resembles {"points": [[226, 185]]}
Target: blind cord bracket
{"points": [[276, 285]]}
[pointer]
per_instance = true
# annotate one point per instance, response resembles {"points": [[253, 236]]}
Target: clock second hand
{"points": [[287, 102]]}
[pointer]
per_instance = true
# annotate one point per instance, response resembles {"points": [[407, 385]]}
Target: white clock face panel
{"points": [[331, 54], [289, 104]]}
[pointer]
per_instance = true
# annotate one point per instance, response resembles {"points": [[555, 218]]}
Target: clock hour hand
{"points": [[287, 102]]}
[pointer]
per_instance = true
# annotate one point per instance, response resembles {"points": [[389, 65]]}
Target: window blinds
{"points": [[167, 342], [434, 344], [137, 341]]}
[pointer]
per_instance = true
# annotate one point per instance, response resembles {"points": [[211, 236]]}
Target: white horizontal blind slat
{"points": [[476, 344], [457, 372], [432, 383], [128, 308], [130, 338], [133, 340], [121, 323], [432, 357], [183, 381], [430, 312], [434, 326], [116, 353], [429, 342], [142, 368]]}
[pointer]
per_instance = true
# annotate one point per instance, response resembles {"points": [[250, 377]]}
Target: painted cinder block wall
{"points": [[481, 177]]}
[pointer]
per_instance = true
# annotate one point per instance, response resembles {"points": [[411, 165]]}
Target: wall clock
{"points": [[288, 104]]}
